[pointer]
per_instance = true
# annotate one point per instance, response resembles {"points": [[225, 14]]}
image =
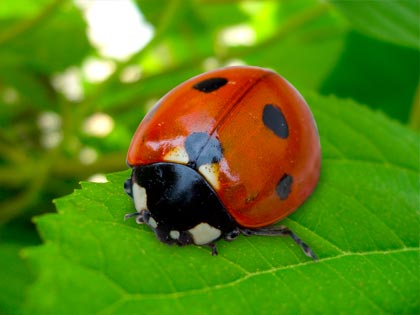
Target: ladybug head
{"points": [[178, 204]]}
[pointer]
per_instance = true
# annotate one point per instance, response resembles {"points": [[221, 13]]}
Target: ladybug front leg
{"points": [[213, 249], [138, 215], [281, 231]]}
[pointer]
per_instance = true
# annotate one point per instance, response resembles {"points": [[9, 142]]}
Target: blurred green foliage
{"points": [[368, 52]]}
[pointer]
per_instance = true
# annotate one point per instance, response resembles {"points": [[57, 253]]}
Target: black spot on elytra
{"points": [[210, 85], [202, 149], [274, 119], [284, 186]]}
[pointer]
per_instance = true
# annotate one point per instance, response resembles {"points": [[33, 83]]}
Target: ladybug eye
{"points": [[210, 85], [128, 187]]}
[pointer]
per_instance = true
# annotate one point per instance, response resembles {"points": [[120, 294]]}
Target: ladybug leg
{"points": [[230, 236], [213, 249], [137, 215], [281, 231]]}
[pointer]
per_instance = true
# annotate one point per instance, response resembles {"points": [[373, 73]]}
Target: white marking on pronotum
{"points": [[211, 174], [174, 234], [177, 155], [140, 197], [203, 233]]}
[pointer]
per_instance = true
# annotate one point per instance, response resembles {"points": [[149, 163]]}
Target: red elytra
{"points": [[254, 157]]}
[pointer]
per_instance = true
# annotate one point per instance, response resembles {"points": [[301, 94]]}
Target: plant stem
{"points": [[14, 206]]}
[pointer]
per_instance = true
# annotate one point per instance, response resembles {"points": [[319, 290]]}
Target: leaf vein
{"points": [[268, 271]]}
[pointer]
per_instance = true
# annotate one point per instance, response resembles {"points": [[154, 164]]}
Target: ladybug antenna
{"points": [[281, 231]]}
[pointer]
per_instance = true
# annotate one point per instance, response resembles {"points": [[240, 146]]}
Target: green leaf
{"points": [[382, 75], [362, 221], [54, 45], [15, 278], [21, 8], [305, 53], [393, 21], [14, 272]]}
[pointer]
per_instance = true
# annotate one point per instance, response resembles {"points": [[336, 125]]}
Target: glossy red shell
{"points": [[254, 158]]}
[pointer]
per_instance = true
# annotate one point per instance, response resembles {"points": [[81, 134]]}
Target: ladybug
{"points": [[229, 152]]}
